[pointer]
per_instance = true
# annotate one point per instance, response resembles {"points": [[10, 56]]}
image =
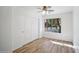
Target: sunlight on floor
{"points": [[62, 44]]}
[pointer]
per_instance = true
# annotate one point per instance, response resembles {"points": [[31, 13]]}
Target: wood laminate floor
{"points": [[45, 45]]}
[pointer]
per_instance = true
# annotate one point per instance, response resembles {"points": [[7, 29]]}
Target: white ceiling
{"points": [[57, 9], [60, 9]]}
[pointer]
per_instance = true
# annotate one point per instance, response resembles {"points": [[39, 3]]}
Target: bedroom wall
{"points": [[25, 25], [5, 29], [66, 27], [76, 28], [18, 26]]}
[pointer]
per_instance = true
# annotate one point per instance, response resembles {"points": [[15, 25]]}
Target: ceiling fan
{"points": [[45, 9]]}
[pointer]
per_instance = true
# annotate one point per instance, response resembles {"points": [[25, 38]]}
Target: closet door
{"points": [[18, 27]]}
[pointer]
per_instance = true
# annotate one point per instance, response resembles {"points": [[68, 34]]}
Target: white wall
{"points": [[25, 25], [5, 29], [18, 26], [66, 27], [76, 28]]}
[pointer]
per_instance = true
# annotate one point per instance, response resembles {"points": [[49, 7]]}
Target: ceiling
{"points": [[61, 9], [57, 9]]}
